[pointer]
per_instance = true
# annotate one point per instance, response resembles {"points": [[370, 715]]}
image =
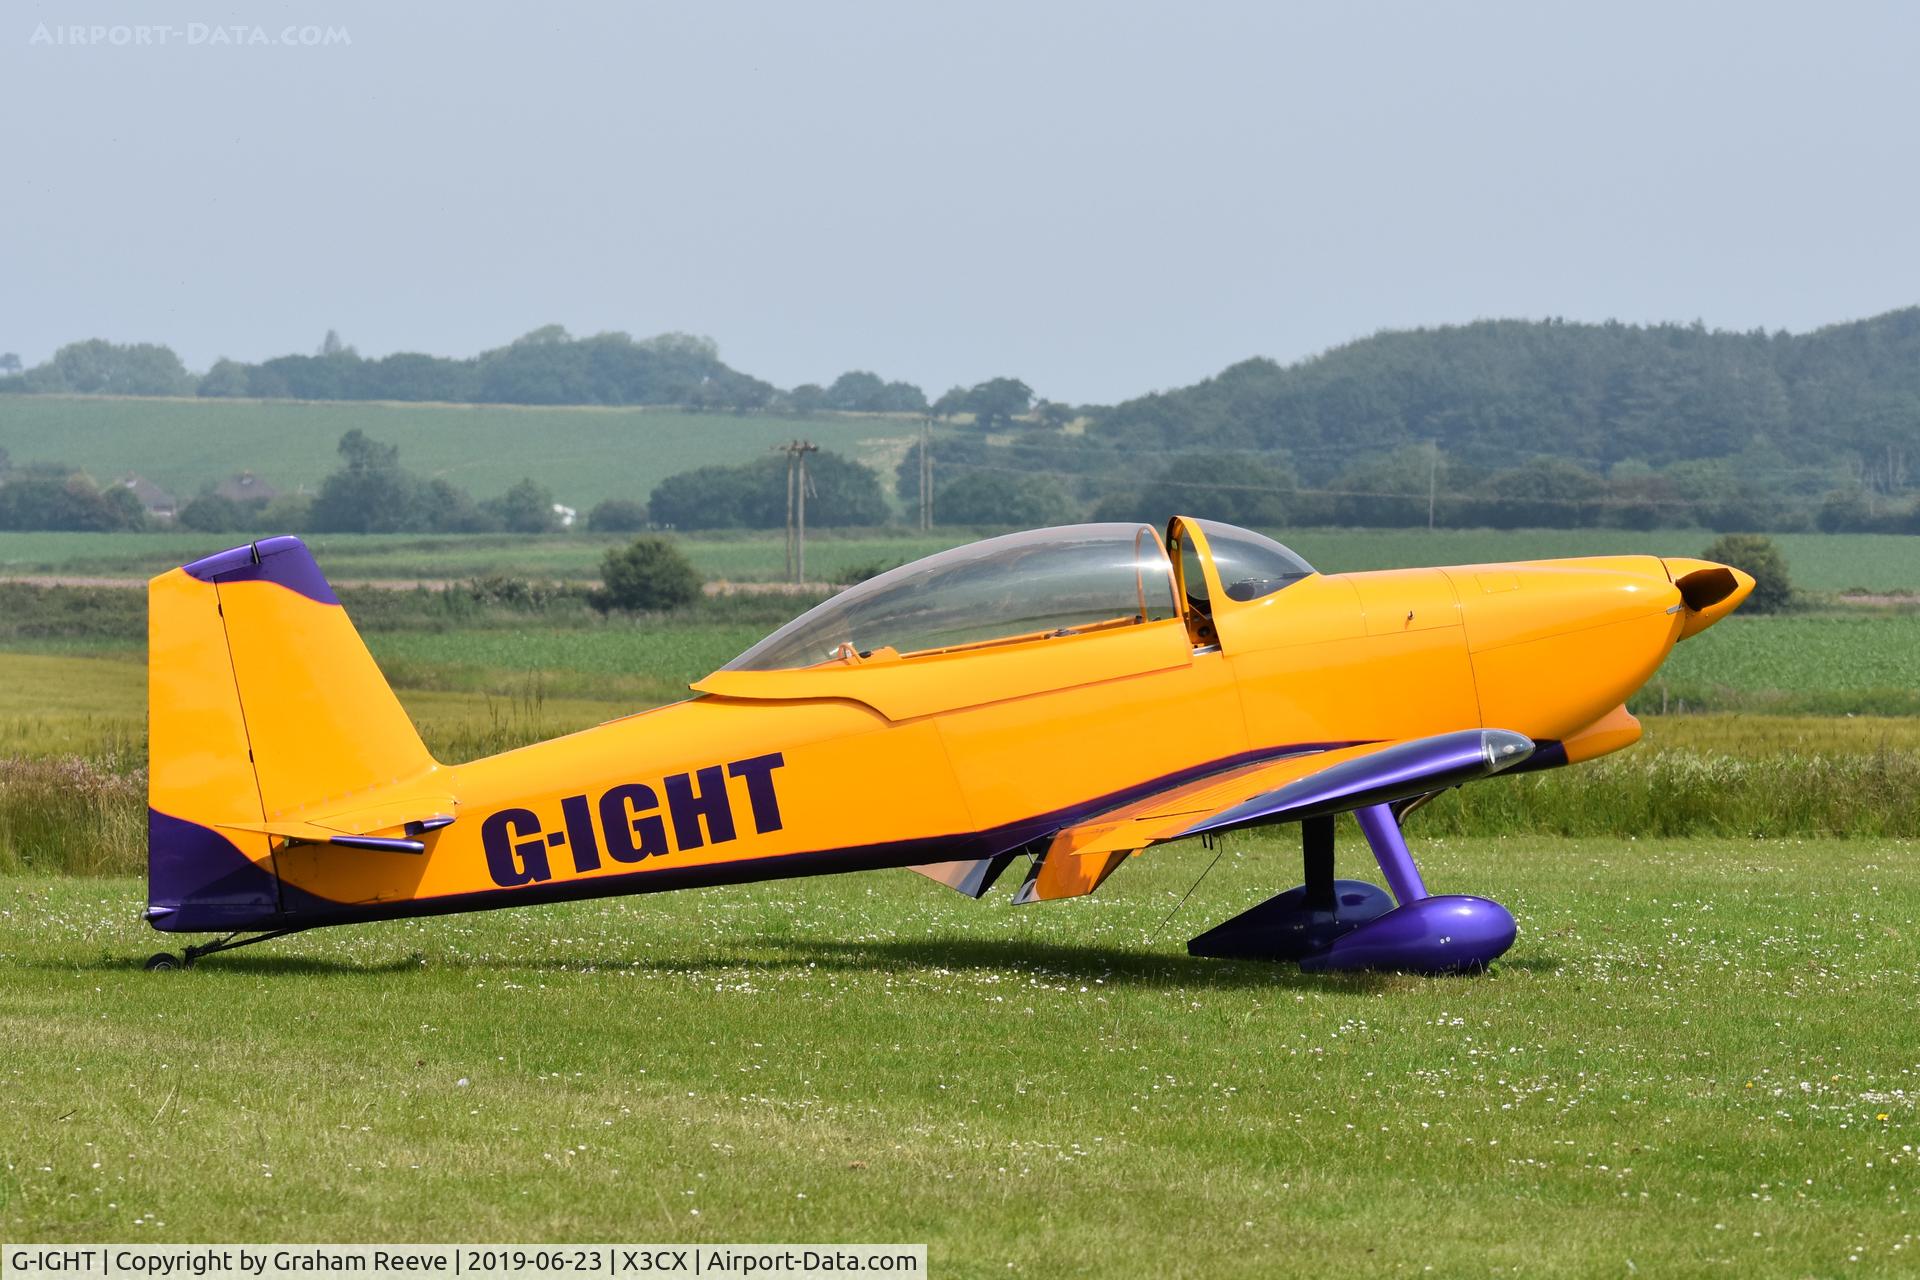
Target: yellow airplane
{"points": [[1073, 695]]}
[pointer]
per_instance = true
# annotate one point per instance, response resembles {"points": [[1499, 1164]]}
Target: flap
{"points": [[1060, 875]]}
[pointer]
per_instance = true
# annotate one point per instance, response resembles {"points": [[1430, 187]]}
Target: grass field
{"points": [[1821, 563], [582, 454], [1698, 1059]]}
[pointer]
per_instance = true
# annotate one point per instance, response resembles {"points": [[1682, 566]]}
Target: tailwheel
{"points": [[233, 941]]}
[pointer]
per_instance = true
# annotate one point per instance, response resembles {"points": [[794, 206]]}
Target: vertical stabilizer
{"points": [[262, 702]]}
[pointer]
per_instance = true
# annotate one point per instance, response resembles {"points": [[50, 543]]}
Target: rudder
{"points": [[264, 709]]}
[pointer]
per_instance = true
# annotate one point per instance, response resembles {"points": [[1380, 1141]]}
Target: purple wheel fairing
{"points": [[1451, 933]]}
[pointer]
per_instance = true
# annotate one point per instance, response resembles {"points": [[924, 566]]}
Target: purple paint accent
{"points": [[1392, 773], [1446, 934], [284, 561], [1288, 927], [1390, 851], [379, 844], [198, 881]]}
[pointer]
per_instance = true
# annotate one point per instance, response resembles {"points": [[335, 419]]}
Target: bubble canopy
{"points": [[1023, 586]]}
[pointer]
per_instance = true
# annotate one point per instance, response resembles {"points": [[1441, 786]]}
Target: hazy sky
{"points": [[1100, 198]]}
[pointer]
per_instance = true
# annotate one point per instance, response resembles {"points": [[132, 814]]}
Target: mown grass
{"points": [[1698, 1059]]}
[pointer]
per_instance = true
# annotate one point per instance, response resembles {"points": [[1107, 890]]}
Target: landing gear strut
{"points": [[1328, 924], [168, 960]]}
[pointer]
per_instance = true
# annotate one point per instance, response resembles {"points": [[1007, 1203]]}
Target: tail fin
{"points": [[264, 709]]}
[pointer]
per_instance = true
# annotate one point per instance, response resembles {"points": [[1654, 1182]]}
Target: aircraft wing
{"points": [[1284, 790]]}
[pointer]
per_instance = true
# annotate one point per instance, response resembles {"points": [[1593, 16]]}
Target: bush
{"points": [[211, 513], [856, 573], [68, 501], [990, 498], [649, 573], [1236, 489], [525, 508], [753, 495], [618, 515], [1755, 554], [288, 513]]}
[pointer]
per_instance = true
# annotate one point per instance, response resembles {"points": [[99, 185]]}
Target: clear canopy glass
{"points": [[1045, 582], [1250, 564]]}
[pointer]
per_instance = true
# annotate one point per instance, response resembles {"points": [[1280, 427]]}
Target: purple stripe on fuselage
{"points": [[304, 908], [284, 561]]}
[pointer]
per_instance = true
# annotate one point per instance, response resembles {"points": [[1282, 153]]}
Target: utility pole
{"points": [[790, 458], [1433, 471], [926, 475], [797, 486]]}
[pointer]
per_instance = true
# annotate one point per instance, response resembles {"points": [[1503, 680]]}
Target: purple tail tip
{"points": [[284, 561]]}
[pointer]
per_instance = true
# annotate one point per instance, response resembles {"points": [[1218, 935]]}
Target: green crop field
{"points": [[1835, 664], [349, 557], [1699, 1058], [582, 454], [1821, 563], [1825, 562]]}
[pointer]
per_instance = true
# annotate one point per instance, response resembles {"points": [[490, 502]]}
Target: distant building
{"points": [[246, 488], [567, 515], [160, 506]]}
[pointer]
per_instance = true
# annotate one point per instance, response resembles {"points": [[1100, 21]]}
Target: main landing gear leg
{"points": [[1328, 924], [233, 941]]}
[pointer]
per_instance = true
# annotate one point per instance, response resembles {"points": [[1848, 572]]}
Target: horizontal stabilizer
{"points": [[391, 827]]}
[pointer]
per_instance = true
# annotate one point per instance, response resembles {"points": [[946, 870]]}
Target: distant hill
{"points": [[1813, 409], [1502, 423], [582, 454]]}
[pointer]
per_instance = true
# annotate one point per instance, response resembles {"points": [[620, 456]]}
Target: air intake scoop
{"points": [[1709, 591]]}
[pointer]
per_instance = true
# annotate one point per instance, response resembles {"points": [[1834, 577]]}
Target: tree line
{"points": [[547, 366], [1497, 422], [1750, 430], [370, 492]]}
